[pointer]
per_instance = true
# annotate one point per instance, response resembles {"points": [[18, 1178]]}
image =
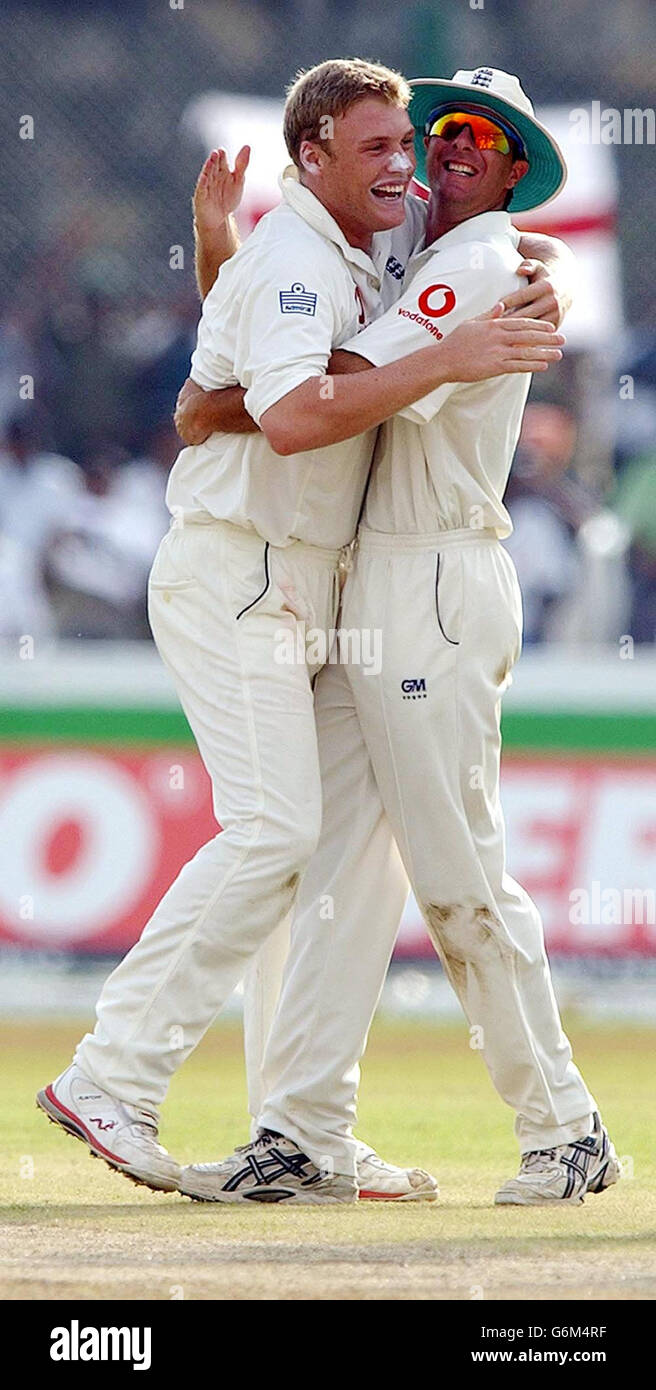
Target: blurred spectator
{"points": [[37, 493], [568, 546], [546, 506], [16, 361], [635, 502], [84, 378], [157, 351], [98, 564]]}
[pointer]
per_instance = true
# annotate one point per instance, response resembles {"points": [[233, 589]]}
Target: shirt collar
{"points": [[487, 226], [317, 216]]}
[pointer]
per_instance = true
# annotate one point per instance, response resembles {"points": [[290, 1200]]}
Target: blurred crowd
{"points": [[85, 458]]}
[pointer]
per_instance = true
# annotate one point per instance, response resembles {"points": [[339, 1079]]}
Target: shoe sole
{"points": [[276, 1195], [71, 1124], [517, 1200]]}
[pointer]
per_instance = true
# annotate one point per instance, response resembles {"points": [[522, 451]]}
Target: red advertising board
{"points": [[90, 838]]}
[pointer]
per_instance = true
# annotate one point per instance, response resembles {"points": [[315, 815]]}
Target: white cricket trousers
{"points": [[449, 610], [220, 599]]}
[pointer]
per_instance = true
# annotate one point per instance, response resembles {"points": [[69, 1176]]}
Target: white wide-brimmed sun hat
{"points": [[490, 92]]}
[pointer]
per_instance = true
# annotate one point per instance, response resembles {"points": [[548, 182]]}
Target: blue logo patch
{"points": [[482, 77], [395, 268], [298, 300], [414, 689]]}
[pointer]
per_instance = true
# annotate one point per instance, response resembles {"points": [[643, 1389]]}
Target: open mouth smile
{"points": [[389, 192], [459, 166]]}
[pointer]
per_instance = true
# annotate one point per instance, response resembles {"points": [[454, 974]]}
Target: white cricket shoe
{"points": [[384, 1182], [563, 1174], [270, 1169], [124, 1136]]}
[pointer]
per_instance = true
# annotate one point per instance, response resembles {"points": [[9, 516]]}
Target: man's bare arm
{"points": [[341, 363], [216, 196], [199, 413], [309, 417]]}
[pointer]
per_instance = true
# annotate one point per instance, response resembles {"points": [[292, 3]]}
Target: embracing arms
{"points": [[328, 409], [322, 411]]}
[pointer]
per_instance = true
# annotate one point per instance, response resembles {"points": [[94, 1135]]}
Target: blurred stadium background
{"points": [[102, 796]]}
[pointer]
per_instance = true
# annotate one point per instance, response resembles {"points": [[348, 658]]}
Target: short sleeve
{"points": [[288, 324], [445, 291], [210, 366]]}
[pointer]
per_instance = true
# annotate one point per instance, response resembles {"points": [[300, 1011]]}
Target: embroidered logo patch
{"points": [[482, 77], [298, 300], [395, 268]]}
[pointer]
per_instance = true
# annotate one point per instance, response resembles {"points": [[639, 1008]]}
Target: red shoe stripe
{"points": [[378, 1196], [91, 1138]]}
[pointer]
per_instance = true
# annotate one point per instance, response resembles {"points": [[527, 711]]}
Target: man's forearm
{"points": [[224, 410], [353, 404], [328, 409], [199, 413], [212, 251]]}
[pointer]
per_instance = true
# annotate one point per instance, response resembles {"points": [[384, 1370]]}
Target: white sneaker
{"points": [[383, 1182], [124, 1136], [270, 1169], [565, 1173]]}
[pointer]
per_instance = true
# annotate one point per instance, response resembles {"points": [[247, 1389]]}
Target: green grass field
{"points": [[73, 1229]]}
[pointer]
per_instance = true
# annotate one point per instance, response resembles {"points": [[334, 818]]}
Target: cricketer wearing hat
{"points": [[411, 751]]}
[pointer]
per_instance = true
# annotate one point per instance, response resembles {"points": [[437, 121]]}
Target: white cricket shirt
{"points": [[292, 292], [443, 463]]}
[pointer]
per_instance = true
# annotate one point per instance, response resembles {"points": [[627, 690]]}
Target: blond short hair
{"points": [[329, 89]]}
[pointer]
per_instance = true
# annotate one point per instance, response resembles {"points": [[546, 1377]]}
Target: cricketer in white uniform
{"points": [[254, 549], [412, 751]]}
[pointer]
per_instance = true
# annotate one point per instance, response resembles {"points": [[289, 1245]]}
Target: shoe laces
{"points": [[538, 1160], [264, 1138], [145, 1131]]}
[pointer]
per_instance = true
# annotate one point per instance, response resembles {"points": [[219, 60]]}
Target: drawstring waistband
{"points": [[332, 557], [436, 540]]}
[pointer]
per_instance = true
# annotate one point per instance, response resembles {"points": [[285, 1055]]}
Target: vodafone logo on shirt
{"points": [[436, 301]]}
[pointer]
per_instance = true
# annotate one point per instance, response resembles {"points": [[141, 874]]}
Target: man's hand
{"points": [[216, 196], [219, 190], [189, 416], [550, 267], [496, 343], [541, 298], [199, 413]]}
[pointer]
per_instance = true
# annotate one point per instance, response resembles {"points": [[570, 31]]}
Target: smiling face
{"points": [[362, 174], [467, 181]]}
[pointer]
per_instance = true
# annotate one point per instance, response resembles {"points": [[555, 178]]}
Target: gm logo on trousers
{"points": [[414, 688]]}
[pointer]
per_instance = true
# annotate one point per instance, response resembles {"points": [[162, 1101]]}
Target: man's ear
{"points": [[519, 168], [311, 157]]}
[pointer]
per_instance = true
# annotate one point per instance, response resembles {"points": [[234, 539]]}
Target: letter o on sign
{"points": [[119, 845], [436, 301]]}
